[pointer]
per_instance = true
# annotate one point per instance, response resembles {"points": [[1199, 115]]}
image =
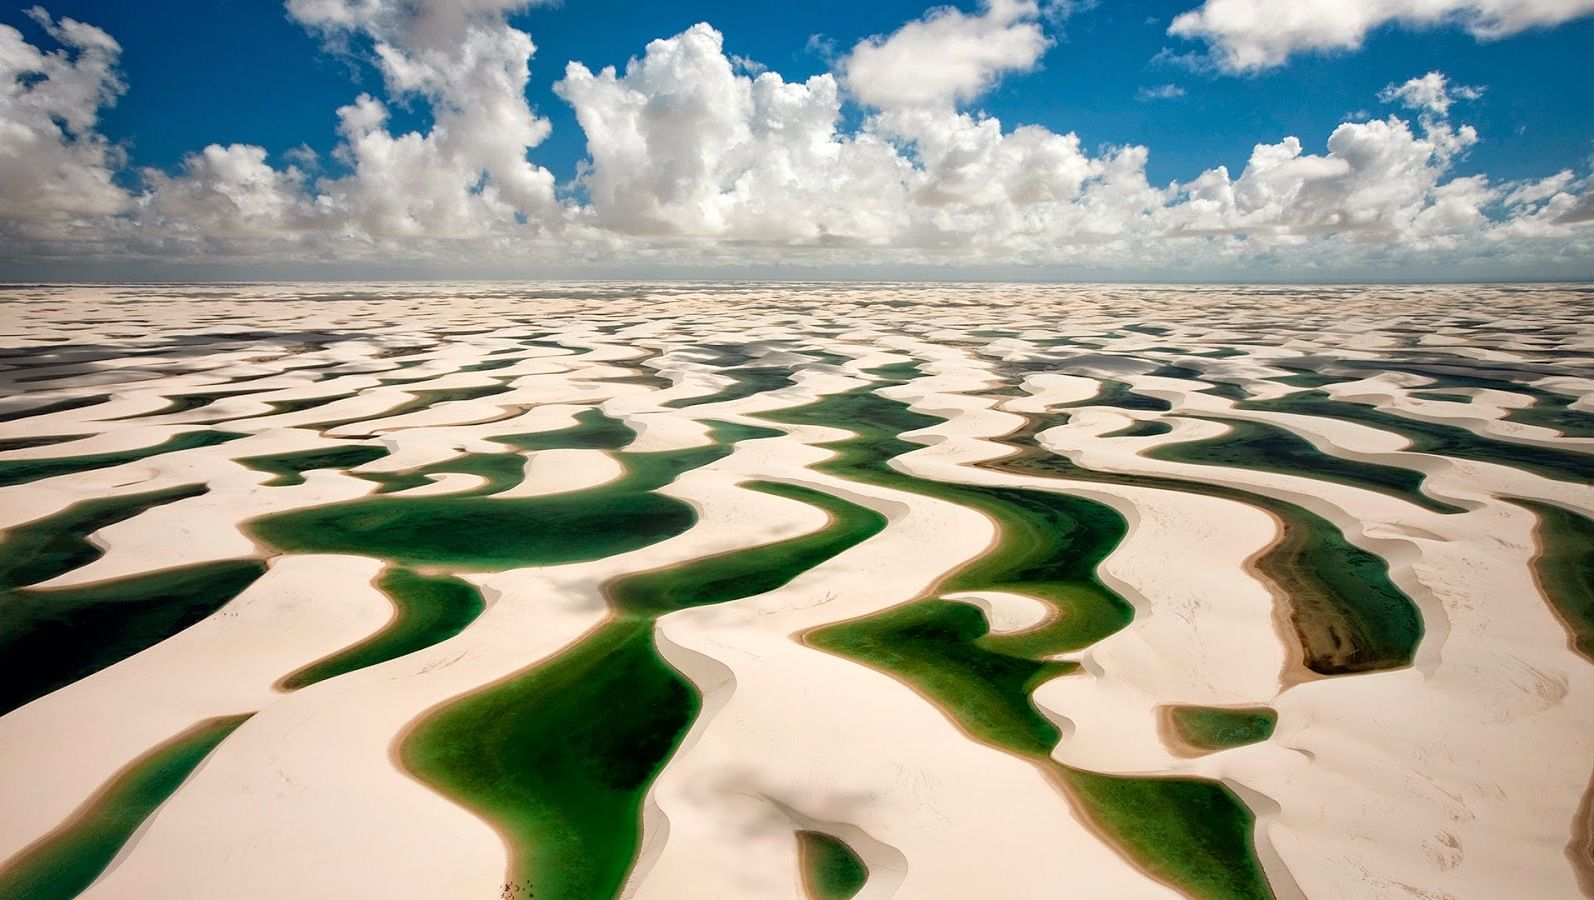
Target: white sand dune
{"points": [[352, 822], [1458, 776], [81, 734], [825, 746], [1474, 678]]}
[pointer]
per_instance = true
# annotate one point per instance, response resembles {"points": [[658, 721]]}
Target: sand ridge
{"points": [[1429, 778]]}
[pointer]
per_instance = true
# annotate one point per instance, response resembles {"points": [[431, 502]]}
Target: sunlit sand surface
{"points": [[810, 591]]}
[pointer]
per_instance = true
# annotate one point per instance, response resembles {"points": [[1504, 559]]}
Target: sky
{"points": [[1187, 140]]}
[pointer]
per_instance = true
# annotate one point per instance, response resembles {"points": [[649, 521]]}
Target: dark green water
{"points": [[1312, 379], [21, 471], [1120, 395], [563, 783], [1192, 833], [1048, 547], [66, 862], [566, 786], [484, 533], [1565, 570], [898, 372], [1205, 385], [1442, 440], [1548, 410], [1212, 728], [283, 407], [179, 403], [1268, 448], [45, 409], [943, 648], [491, 365], [28, 443], [823, 356], [425, 399], [428, 610], [1049, 544], [44, 548], [831, 871], [1555, 412], [49, 639], [502, 471], [422, 399], [593, 431], [1346, 612], [1143, 428], [747, 573], [551, 345], [289, 468], [727, 356], [745, 383]]}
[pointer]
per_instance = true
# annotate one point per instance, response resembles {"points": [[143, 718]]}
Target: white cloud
{"points": [[1431, 94], [1248, 35], [54, 165], [701, 158], [1547, 207], [409, 24], [1578, 211], [946, 57], [228, 192], [466, 178], [1160, 92], [1378, 181], [1537, 191], [683, 145], [469, 173]]}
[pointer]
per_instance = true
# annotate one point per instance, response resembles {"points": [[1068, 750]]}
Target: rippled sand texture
{"points": [[796, 591]]}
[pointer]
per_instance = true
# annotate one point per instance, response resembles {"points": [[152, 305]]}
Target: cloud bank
{"points": [[1247, 35], [54, 167], [701, 158]]}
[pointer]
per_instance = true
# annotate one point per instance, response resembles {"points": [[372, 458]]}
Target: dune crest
{"points": [[796, 591]]}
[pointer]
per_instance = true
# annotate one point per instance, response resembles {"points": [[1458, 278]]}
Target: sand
{"points": [[1460, 775]]}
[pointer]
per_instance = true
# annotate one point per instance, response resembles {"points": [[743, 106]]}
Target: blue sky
{"points": [[246, 72], [266, 82]]}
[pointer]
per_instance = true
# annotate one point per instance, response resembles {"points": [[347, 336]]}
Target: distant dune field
{"points": [[796, 590]]}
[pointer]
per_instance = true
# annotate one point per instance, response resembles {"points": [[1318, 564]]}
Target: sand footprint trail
{"points": [[799, 590]]}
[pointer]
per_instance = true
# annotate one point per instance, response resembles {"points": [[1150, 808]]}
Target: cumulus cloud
{"points": [[948, 56], [404, 24], [1380, 182], [1577, 211], [228, 192], [467, 177], [470, 172], [1249, 35], [684, 144], [54, 166], [1431, 94], [699, 156], [1377, 181]]}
